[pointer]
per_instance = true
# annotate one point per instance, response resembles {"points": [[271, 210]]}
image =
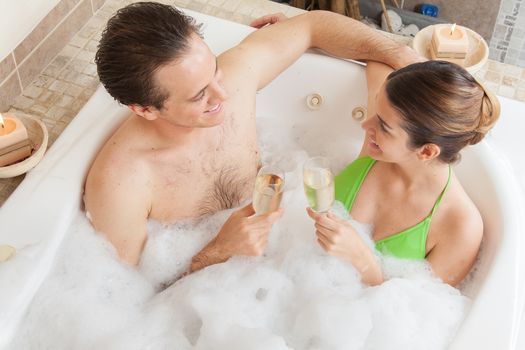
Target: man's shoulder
{"points": [[119, 159]]}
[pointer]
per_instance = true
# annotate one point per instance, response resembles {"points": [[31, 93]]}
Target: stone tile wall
{"points": [[508, 40], [41, 46]]}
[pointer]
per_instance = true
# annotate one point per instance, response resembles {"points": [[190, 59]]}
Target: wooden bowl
{"points": [[478, 50], [38, 136]]}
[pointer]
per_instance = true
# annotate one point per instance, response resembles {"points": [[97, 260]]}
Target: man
{"points": [[190, 147]]}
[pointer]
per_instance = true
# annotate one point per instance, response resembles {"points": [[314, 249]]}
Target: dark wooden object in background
{"points": [[345, 7]]}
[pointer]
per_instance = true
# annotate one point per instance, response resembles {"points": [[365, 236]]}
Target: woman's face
{"points": [[385, 138]]}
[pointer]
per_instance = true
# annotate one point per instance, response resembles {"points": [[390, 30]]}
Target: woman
{"points": [[419, 118]]}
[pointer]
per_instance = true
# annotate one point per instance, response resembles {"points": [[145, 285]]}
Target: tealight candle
{"points": [[449, 43], [14, 143]]}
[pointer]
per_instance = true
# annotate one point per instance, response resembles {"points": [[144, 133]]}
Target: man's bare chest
{"points": [[210, 179]]}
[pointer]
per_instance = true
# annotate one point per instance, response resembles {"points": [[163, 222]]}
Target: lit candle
{"points": [[449, 43], [14, 143]]}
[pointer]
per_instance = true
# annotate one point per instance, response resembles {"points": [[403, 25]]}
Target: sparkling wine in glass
{"points": [[318, 182], [268, 191]]}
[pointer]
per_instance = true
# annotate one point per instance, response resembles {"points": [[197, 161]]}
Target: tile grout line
{"points": [[17, 72]]}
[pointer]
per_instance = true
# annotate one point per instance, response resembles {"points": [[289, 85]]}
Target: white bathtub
{"points": [[35, 218]]}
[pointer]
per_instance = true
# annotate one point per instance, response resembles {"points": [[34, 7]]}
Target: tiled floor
{"points": [[69, 81]]}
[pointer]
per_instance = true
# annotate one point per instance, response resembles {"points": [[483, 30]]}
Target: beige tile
{"points": [[78, 65], [181, 3], [506, 91], [91, 69], [73, 90], [38, 109], [245, 8], [88, 31], [43, 81], [514, 71], [9, 90], [70, 51], [7, 66], [33, 91], [22, 102], [50, 123], [216, 2], [240, 18], [493, 76], [78, 41], [193, 5], [259, 12], [86, 56], [44, 28], [55, 112], [492, 87], [97, 4], [92, 46], [56, 66], [231, 5], [65, 101], [480, 74], [520, 95], [496, 66], [68, 74], [58, 87], [509, 81], [42, 56], [48, 99]]}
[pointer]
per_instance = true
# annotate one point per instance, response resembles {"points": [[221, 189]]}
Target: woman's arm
{"points": [[455, 253]]}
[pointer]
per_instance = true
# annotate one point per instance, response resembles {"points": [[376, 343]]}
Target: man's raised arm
{"points": [[275, 47]]}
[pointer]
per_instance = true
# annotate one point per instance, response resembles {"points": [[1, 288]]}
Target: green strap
{"points": [[349, 181], [438, 202]]}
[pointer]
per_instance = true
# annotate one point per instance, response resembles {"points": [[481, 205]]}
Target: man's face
{"points": [[196, 96]]}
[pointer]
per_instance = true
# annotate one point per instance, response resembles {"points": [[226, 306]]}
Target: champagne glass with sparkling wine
{"points": [[318, 182], [268, 191]]}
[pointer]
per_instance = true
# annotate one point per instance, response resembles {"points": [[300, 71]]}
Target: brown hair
{"points": [[139, 39], [443, 104]]}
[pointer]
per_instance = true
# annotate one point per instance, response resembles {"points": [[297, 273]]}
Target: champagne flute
{"points": [[318, 181], [268, 191]]}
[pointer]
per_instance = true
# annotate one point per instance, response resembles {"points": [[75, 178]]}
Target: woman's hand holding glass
{"points": [[340, 239]]}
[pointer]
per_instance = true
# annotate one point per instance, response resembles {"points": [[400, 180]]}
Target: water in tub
{"points": [[293, 297]]}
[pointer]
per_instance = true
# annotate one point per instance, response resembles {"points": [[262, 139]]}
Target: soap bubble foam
{"points": [[295, 296]]}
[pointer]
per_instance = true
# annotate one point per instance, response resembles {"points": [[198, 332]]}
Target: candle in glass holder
{"points": [[449, 43], [14, 143]]}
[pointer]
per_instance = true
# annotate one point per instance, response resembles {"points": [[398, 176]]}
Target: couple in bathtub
{"points": [[190, 147]]}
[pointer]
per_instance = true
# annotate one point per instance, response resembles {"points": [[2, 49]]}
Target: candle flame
{"points": [[452, 29], [2, 120]]}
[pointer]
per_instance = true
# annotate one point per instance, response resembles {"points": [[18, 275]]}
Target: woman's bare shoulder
{"points": [[460, 219]]}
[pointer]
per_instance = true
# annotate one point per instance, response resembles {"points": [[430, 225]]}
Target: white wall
{"points": [[18, 18]]}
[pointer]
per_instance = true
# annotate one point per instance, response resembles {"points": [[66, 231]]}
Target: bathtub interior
{"points": [[482, 171], [51, 193]]}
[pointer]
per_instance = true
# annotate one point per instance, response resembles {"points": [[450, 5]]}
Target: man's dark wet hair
{"points": [[138, 40]]}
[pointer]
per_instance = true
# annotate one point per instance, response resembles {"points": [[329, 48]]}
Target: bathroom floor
{"points": [[68, 82]]}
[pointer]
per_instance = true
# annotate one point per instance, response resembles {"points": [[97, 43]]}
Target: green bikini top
{"points": [[408, 244]]}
